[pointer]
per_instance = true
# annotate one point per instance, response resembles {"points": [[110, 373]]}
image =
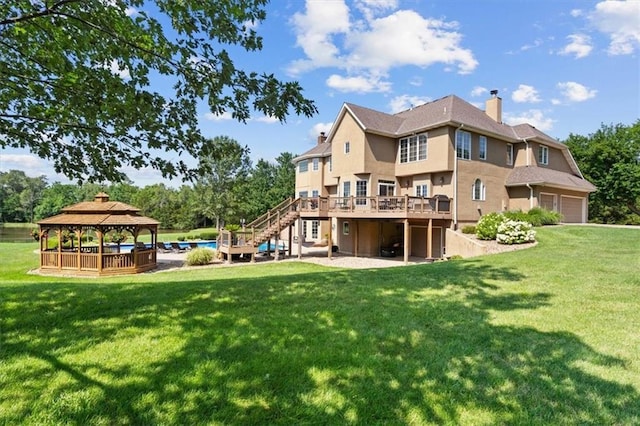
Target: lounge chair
{"points": [[176, 247], [193, 245], [162, 248]]}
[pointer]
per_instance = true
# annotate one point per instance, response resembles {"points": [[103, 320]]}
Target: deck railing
{"points": [[377, 204]]}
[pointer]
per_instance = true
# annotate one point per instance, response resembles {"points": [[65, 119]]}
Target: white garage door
{"points": [[571, 209]]}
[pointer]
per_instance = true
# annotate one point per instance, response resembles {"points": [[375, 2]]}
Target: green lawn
{"points": [[548, 335]]}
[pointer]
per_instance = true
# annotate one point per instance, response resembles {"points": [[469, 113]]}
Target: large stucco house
{"points": [[377, 180]]}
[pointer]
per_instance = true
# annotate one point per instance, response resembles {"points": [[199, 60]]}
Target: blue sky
{"points": [[562, 66]]}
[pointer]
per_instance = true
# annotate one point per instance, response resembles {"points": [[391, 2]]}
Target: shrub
{"points": [[487, 228], [191, 237], [181, 238], [209, 235], [469, 229], [517, 215], [455, 257], [515, 232], [232, 227], [544, 216], [200, 256]]}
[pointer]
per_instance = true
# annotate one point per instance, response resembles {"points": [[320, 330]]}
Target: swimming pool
{"points": [[126, 247]]}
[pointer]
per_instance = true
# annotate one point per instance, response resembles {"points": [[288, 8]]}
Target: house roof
{"points": [[541, 176], [321, 150], [101, 211]]}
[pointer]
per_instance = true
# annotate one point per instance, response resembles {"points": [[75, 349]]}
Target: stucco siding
{"points": [[353, 162]]}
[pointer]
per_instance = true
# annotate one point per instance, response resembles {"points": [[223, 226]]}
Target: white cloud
{"points": [[331, 37], [576, 13], [620, 20], [404, 102], [576, 92], [266, 119], [319, 128], [218, 117], [360, 84], [479, 91], [536, 43], [580, 46], [535, 117], [525, 93], [115, 69], [130, 11]]}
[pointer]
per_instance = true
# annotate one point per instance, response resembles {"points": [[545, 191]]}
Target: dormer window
{"points": [[413, 148], [543, 155]]}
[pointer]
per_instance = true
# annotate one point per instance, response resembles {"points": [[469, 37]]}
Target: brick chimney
{"points": [[494, 106], [321, 138]]}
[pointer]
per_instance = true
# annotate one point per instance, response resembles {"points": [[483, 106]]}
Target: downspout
{"points": [[530, 195], [528, 164], [455, 178]]}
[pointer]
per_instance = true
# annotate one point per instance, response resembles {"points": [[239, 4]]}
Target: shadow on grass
{"points": [[398, 345]]}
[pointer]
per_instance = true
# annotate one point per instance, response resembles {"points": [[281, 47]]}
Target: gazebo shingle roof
{"points": [[100, 212]]}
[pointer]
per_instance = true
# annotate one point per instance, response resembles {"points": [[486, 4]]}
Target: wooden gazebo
{"points": [[88, 236]]}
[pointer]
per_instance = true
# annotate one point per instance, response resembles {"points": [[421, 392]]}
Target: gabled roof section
{"points": [[453, 111], [533, 175]]}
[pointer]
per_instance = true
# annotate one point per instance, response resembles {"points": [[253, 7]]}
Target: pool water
{"points": [[126, 247]]}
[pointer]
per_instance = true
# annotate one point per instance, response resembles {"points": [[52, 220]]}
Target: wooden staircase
{"points": [[273, 222]]}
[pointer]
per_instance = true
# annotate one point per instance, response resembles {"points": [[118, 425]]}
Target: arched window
{"points": [[478, 191]]}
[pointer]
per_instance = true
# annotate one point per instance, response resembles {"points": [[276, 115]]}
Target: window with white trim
{"points": [[303, 194], [422, 191], [303, 166], [509, 154], [330, 164], [482, 148], [413, 148], [386, 187], [478, 191], [314, 228], [347, 147], [314, 193], [316, 163], [346, 188], [361, 192], [463, 144], [543, 155]]}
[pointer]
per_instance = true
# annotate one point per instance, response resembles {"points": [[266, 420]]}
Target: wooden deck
{"points": [[376, 207]]}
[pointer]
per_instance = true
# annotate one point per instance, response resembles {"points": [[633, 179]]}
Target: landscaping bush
{"points": [[517, 215], [487, 228], [200, 256], [544, 216], [515, 232], [209, 235], [469, 229], [181, 238]]}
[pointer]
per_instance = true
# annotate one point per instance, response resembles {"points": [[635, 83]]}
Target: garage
{"points": [[572, 209]]}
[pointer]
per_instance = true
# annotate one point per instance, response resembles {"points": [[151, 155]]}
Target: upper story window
{"points": [[315, 164], [315, 193], [303, 166], [347, 147], [303, 194], [330, 164], [413, 148], [482, 148], [346, 189], [422, 191], [478, 191], [361, 192], [543, 155], [509, 154], [463, 144], [386, 187]]}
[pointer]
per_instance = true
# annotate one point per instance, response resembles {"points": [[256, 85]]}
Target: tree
{"points": [[76, 81], [610, 159], [55, 198], [19, 194], [222, 192]]}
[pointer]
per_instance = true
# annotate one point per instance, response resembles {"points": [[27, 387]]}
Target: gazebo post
{"points": [[59, 234], [99, 235]]}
